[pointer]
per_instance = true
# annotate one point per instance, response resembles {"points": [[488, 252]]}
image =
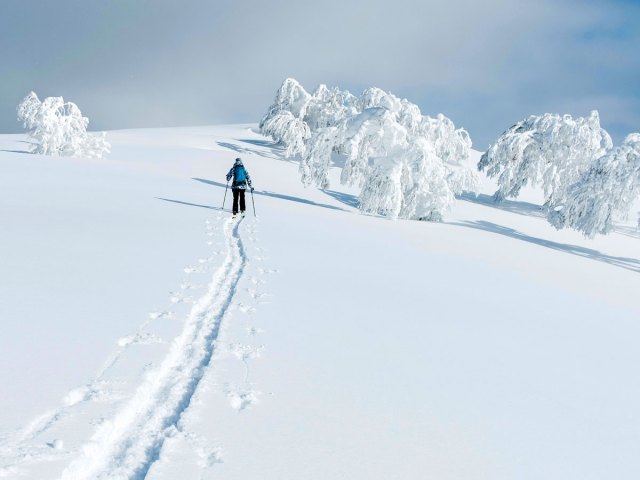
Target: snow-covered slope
{"points": [[145, 334]]}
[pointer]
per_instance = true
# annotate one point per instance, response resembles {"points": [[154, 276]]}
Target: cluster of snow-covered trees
{"points": [[407, 165], [587, 182], [57, 127]]}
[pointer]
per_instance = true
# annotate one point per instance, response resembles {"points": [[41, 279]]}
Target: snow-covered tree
{"points": [[604, 192], [58, 128], [550, 151], [288, 130], [407, 164]]}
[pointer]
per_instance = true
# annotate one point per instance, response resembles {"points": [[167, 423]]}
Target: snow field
{"points": [[487, 346]]}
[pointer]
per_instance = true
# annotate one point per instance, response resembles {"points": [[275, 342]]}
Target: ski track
{"points": [[126, 446]]}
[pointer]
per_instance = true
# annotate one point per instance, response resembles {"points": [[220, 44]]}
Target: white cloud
{"points": [[484, 63]]}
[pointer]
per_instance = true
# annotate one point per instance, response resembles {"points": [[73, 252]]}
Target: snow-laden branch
{"points": [[288, 130], [58, 128], [605, 191]]}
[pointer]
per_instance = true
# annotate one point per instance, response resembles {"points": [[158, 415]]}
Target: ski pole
{"points": [[253, 202], [225, 194]]}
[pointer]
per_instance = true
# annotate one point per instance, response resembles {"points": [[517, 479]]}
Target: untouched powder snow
{"points": [[145, 334]]}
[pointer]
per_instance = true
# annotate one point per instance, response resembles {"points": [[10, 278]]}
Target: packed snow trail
{"points": [[126, 446]]}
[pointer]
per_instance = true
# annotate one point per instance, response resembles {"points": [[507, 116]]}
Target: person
{"points": [[241, 180]]}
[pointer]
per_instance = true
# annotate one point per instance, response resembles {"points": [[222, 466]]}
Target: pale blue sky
{"points": [[132, 63]]}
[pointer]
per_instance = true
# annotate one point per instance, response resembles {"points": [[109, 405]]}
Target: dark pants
{"points": [[238, 193]]}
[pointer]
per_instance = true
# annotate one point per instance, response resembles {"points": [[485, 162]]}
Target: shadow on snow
{"points": [[522, 208], [346, 198], [17, 151], [193, 204], [274, 195], [530, 209], [252, 151], [262, 143], [20, 151], [513, 206], [622, 262]]}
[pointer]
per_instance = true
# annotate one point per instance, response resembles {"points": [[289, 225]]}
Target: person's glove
{"points": [[251, 189]]}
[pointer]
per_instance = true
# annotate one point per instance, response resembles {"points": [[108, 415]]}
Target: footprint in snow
{"points": [[56, 444], [77, 395], [179, 297], [162, 314], [189, 286], [253, 293], [254, 331], [98, 392], [240, 400], [139, 339], [96, 422], [191, 269], [267, 271], [245, 352], [248, 309], [208, 455]]}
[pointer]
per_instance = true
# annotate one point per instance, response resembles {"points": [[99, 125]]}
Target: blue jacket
{"points": [[233, 173]]}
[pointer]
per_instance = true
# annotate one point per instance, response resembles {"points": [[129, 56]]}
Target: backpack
{"points": [[240, 174]]}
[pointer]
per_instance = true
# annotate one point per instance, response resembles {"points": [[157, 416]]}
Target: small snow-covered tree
{"points": [[288, 130], [58, 128], [550, 151], [605, 191]]}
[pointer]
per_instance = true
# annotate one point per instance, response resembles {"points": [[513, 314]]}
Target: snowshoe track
{"points": [[127, 445]]}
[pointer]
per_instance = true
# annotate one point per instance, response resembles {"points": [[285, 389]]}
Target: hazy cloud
{"points": [[484, 64]]}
